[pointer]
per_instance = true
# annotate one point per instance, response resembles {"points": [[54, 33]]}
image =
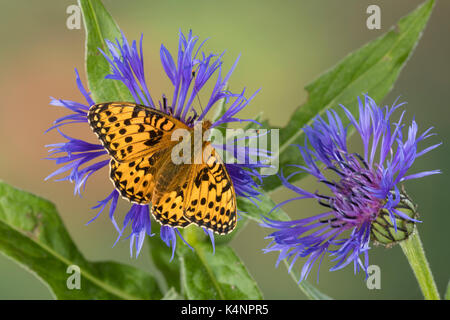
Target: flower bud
{"points": [[383, 229]]}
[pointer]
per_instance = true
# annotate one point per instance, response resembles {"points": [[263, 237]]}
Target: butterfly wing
{"points": [[135, 180], [196, 193], [131, 131], [139, 140], [145, 180], [168, 207], [211, 201]]}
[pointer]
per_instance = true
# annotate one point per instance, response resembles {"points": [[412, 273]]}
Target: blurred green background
{"points": [[284, 46]]}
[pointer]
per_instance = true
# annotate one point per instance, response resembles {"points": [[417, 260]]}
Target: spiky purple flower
{"points": [[361, 186], [82, 159]]}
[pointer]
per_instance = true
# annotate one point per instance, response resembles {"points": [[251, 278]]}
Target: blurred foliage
{"points": [[32, 233]]}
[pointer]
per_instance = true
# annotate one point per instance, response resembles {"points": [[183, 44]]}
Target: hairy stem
{"points": [[413, 250]]}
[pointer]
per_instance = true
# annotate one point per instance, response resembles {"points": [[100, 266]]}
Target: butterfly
{"points": [[138, 139]]}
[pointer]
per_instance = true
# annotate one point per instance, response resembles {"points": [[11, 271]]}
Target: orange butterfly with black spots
{"points": [[138, 139]]}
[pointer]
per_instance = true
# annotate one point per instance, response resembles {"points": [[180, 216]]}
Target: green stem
{"points": [[413, 250]]}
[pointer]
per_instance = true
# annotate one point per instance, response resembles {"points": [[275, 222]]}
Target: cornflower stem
{"points": [[413, 250]]}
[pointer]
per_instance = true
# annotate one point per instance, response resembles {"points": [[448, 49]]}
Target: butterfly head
{"points": [[206, 125]]}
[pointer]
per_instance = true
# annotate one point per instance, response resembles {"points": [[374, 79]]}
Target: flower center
{"points": [[352, 202]]}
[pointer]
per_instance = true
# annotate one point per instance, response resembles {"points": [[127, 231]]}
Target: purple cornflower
{"points": [[366, 186], [188, 75]]}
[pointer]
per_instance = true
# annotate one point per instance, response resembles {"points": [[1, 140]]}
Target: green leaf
{"points": [[100, 26], [172, 294], [215, 276], [265, 206], [372, 69], [201, 262], [447, 292], [32, 233]]}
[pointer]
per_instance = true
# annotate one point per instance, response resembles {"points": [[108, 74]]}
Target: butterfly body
{"points": [[139, 141]]}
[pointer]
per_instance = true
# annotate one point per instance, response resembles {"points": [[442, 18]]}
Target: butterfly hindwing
{"points": [[169, 208], [130, 131], [212, 200], [135, 180]]}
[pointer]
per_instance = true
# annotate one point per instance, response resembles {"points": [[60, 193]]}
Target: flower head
{"points": [[188, 72], [362, 188]]}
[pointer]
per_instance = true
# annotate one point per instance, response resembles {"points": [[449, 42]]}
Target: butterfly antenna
{"points": [[196, 92]]}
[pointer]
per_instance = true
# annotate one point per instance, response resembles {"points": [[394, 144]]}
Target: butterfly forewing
{"points": [[130, 131]]}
